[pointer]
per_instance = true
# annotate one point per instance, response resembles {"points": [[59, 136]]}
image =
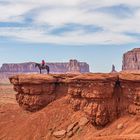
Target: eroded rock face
{"points": [[130, 85], [102, 97], [131, 60], [34, 91], [95, 96], [74, 66]]}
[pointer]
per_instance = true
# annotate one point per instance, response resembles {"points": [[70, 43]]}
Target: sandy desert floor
{"points": [[7, 94]]}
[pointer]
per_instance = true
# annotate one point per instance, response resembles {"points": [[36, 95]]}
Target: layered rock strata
{"points": [[130, 89], [102, 97], [96, 96], [34, 91], [131, 60]]}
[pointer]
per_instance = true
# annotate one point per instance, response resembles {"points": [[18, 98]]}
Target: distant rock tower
{"points": [[131, 60], [113, 69], [73, 66]]}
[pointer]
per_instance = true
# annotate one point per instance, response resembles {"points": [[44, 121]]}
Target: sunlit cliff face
{"points": [[102, 97]]}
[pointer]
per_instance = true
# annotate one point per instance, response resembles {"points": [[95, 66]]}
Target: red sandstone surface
{"points": [[73, 106]]}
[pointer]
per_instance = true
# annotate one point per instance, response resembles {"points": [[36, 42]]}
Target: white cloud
{"points": [[13, 11], [108, 3], [58, 13], [72, 38]]}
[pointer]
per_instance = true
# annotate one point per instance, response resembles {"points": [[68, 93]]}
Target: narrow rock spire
{"points": [[113, 69]]}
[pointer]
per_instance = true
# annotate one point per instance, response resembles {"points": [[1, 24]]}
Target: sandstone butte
{"points": [[101, 97]]}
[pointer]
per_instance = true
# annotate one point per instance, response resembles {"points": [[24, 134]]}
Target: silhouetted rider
{"points": [[43, 62]]}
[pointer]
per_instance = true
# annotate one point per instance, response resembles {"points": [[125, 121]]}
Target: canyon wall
{"points": [[131, 60], [102, 97], [71, 66]]}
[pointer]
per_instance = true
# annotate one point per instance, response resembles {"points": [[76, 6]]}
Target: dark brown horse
{"points": [[42, 67]]}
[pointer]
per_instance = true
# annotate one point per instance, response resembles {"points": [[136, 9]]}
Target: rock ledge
{"points": [[102, 97]]}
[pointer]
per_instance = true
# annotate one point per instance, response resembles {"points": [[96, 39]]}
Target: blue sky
{"points": [[98, 32]]}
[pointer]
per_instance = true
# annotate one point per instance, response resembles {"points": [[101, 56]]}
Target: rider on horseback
{"points": [[42, 66], [43, 63]]}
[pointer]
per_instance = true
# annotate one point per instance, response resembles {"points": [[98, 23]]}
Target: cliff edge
{"points": [[101, 97]]}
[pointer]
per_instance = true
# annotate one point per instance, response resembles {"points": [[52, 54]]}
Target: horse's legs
{"points": [[40, 71], [47, 71]]}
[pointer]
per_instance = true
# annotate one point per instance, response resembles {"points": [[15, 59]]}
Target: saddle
{"points": [[43, 66]]}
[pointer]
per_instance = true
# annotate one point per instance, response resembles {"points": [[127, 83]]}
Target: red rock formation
{"points": [[102, 97], [130, 86], [95, 95], [36, 91], [131, 60]]}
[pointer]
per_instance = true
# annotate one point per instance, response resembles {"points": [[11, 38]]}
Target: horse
{"points": [[42, 67]]}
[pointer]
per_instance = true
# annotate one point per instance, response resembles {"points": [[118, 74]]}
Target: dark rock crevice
{"points": [[117, 95]]}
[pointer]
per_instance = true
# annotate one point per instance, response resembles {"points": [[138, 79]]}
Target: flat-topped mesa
{"points": [[102, 97], [58, 67]]}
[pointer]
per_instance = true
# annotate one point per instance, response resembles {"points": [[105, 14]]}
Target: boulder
{"points": [[120, 126], [75, 128], [59, 134], [71, 126], [83, 121], [69, 134]]}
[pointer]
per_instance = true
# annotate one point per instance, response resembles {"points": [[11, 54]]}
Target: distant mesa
{"points": [[73, 66], [131, 60]]}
